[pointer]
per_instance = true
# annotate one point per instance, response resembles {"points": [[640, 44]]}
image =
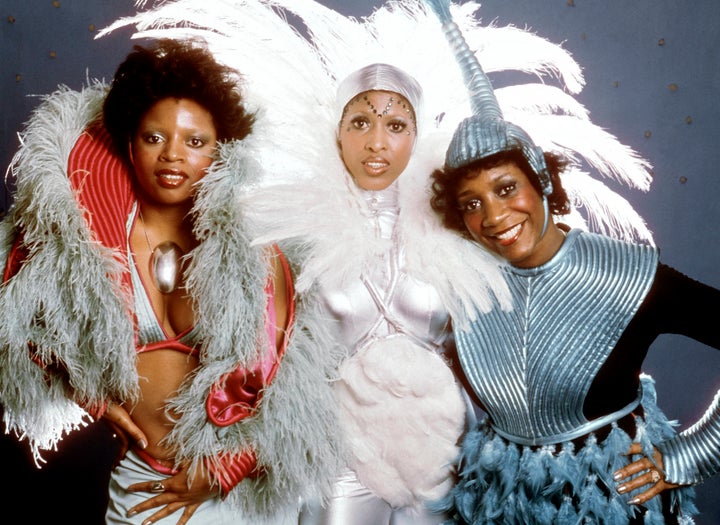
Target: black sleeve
{"points": [[675, 304], [678, 304]]}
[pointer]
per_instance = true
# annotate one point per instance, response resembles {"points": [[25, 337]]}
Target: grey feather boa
{"points": [[67, 299], [54, 300]]}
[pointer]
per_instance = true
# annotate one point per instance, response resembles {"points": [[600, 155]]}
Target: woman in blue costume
{"points": [[573, 433], [131, 292]]}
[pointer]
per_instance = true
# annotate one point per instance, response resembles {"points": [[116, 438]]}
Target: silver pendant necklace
{"points": [[165, 262]]}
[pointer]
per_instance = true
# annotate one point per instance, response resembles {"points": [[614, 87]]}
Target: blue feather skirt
{"points": [[501, 483]]}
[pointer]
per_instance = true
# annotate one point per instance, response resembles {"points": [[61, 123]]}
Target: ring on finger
{"points": [[654, 476], [157, 487]]}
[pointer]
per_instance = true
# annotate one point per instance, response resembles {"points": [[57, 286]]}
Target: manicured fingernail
{"points": [[622, 489], [617, 476], [142, 443], [634, 501], [131, 513]]}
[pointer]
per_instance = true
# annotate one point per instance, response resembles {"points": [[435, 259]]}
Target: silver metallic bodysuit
{"points": [[402, 410], [388, 301]]}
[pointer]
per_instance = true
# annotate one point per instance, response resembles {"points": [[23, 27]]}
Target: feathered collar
{"points": [[75, 284], [328, 222]]}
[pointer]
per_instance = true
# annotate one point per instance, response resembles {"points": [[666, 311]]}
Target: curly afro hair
{"points": [[174, 69], [445, 184]]}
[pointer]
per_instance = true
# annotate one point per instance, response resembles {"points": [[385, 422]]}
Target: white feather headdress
{"points": [[291, 73]]}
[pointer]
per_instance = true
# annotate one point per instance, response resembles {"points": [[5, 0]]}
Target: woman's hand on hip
{"points": [[173, 494], [650, 473]]}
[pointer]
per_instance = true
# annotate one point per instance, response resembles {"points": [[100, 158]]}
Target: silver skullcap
{"points": [[380, 77]]}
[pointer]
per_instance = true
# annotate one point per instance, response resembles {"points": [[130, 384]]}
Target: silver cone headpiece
{"points": [[486, 132]]}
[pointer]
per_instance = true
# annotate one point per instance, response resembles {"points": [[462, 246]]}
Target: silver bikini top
{"points": [[149, 329]]}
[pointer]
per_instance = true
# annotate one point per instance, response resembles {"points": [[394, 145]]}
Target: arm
{"points": [[689, 458], [65, 299], [294, 431], [242, 389], [230, 469], [693, 455], [237, 395]]}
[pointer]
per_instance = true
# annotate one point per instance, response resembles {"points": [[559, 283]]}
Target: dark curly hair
{"points": [[175, 69], [445, 184]]}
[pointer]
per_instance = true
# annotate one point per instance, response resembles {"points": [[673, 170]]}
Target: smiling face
{"points": [[172, 149], [376, 136], [504, 212]]}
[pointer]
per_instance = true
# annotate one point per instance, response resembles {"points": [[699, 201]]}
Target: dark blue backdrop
{"points": [[652, 72]]}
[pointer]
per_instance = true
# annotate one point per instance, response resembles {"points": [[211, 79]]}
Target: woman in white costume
{"points": [[402, 411]]}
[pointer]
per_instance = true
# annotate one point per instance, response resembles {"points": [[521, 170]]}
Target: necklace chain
{"points": [[147, 238]]}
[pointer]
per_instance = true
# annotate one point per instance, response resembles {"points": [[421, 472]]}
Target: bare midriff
{"points": [[160, 372]]}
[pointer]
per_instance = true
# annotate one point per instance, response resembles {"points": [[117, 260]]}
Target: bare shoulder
{"points": [[282, 289], [277, 266]]}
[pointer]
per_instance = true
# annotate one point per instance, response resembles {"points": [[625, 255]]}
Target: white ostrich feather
{"points": [[607, 211], [510, 48], [581, 138], [539, 98], [291, 80]]}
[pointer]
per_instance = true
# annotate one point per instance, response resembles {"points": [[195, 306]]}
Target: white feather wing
{"points": [[293, 53]]}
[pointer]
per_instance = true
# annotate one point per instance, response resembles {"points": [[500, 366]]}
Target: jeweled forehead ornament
{"points": [[381, 77], [394, 99], [486, 132]]}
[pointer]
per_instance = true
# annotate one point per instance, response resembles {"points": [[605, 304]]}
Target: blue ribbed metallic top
{"points": [[533, 366]]}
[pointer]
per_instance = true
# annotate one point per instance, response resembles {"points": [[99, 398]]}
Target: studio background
{"points": [[652, 71]]}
